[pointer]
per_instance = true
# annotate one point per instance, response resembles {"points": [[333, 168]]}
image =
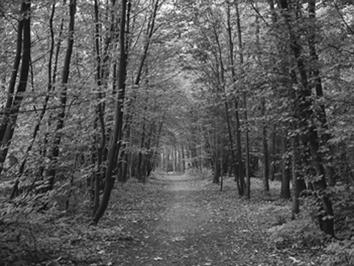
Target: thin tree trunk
{"points": [[317, 84], [247, 155], [239, 169], [295, 180], [273, 168], [228, 122], [273, 154], [140, 156], [183, 158], [247, 160], [98, 176], [43, 151], [265, 148], [285, 179], [63, 97], [149, 33], [117, 132]]}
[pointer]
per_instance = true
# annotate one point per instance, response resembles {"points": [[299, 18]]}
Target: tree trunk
{"points": [[265, 149], [11, 90], [304, 114], [116, 136], [8, 125], [285, 169], [63, 97], [273, 169], [247, 151], [149, 33], [315, 76], [14, 192], [247, 155], [217, 169], [295, 180], [239, 175], [100, 107]]}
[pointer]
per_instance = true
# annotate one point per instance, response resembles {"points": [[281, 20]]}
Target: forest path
{"points": [[191, 223]]}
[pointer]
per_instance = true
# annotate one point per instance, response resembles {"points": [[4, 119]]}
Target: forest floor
{"points": [[171, 220]]}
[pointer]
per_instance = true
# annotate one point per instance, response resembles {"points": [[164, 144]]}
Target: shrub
{"points": [[340, 253], [302, 233]]}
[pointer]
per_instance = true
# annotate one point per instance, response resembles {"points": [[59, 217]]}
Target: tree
{"points": [[60, 119], [14, 99], [305, 117], [116, 135]]}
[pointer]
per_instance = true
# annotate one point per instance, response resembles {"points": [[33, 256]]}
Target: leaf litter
{"points": [[171, 220]]}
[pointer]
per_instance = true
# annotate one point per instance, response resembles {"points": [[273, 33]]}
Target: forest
{"points": [[176, 132]]}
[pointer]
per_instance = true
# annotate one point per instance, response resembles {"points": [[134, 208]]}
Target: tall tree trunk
{"points": [[100, 107], [12, 84], [315, 76], [8, 125], [14, 192], [44, 149], [149, 33], [239, 168], [124, 156], [63, 97], [247, 155], [304, 114], [263, 112], [116, 136], [221, 81]]}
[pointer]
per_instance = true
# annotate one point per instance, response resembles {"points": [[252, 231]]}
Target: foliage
{"points": [[210, 88], [339, 253], [297, 234]]}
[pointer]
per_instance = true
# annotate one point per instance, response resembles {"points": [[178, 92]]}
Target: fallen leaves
{"points": [[170, 224]]}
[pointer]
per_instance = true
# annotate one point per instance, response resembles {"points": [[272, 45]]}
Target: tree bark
{"points": [[14, 192], [63, 97], [285, 168], [265, 149], [304, 114], [11, 90], [295, 181], [315, 75], [116, 136], [239, 168], [100, 107], [247, 155], [8, 125]]}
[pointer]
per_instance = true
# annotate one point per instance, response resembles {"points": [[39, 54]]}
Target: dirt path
{"points": [[170, 220], [191, 225]]}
